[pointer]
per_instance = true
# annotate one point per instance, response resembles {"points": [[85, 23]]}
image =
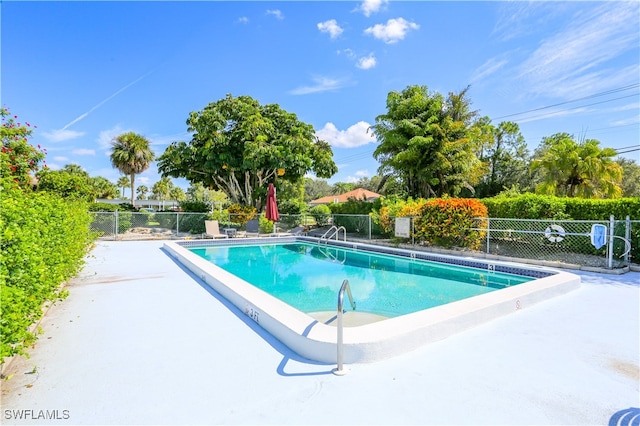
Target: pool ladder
{"points": [[334, 231], [340, 371]]}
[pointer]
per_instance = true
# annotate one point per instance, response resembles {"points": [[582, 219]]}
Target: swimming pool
{"points": [[311, 335], [308, 277]]}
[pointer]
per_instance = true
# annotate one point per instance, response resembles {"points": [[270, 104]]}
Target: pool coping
{"points": [[380, 340]]}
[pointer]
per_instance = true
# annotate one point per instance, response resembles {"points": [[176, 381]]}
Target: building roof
{"points": [[358, 194]]}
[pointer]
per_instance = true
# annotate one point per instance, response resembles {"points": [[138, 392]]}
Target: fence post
{"points": [[177, 223], [369, 217], [627, 236], [488, 235], [116, 230], [611, 225]]}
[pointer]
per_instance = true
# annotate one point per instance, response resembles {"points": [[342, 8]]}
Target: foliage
{"points": [[103, 188], [321, 214], [630, 177], [504, 156], [292, 206], [395, 207], [425, 140], [241, 214], [354, 206], [68, 185], [43, 240], [526, 206], [447, 222], [238, 146], [18, 159], [577, 169], [265, 225], [195, 206], [131, 155], [316, 188]]}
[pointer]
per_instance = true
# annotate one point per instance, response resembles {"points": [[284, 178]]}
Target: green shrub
{"points": [[447, 222], [241, 214], [321, 214], [43, 241], [195, 206]]}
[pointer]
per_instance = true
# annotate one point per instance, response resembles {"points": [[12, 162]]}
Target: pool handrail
{"points": [[339, 370], [334, 230]]}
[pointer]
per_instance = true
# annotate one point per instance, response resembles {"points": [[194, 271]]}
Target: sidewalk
{"points": [[141, 341]]}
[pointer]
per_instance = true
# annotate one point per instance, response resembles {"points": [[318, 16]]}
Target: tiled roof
{"points": [[358, 194]]}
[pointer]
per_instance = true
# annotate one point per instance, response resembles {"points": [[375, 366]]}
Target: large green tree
{"points": [[131, 155], [630, 177], [424, 140], [504, 156], [576, 169], [238, 146]]}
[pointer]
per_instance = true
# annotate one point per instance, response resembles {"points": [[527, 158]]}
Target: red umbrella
{"points": [[272, 206]]}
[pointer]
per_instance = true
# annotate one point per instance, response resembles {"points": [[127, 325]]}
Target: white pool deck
{"points": [[141, 341]]}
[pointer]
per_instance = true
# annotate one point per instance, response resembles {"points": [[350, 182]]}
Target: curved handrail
{"points": [[340, 341], [334, 230]]}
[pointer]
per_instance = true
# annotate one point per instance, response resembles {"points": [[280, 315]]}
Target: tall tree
{"points": [[103, 187], [425, 141], [131, 155], [142, 192], [161, 190], [630, 177], [577, 169], [505, 158], [123, 183], [239, 146]]}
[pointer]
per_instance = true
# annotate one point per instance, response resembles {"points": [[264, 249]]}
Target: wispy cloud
{"points": [[61, 135], [323, 84], [487, 69], [331, 27], [567, 63], [355, 136], [277, 13], [367, 7], [393, 31], [242, 20], [84, 151]]}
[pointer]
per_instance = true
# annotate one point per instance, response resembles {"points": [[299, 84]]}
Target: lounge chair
{"points": [[298, 230], [252, 228], [213, 230]]}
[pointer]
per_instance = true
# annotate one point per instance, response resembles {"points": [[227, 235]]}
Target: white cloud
{"points": [[277, 13], [393, 31], [355, 136], [331, 27], [348, 52], [61, 135], [371, 6], [323, 84], [61, 159], [242, 20], [84, 151], [367, 62]]}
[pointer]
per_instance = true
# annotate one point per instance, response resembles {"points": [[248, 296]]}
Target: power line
{"points": [[608, 92]]}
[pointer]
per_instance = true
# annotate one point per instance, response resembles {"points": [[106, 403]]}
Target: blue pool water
{"points": [[308, 277]]}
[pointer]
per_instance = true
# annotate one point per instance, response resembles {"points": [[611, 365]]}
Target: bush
{"points": [[195, 206], [43, 242], [447, 222], [241, 214], [321, 214]]}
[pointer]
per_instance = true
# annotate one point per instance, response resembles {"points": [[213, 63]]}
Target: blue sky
{"points": [[84, 72]]}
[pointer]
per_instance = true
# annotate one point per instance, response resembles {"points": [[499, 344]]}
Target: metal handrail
{"points": [[334, 230], [340, 341]]}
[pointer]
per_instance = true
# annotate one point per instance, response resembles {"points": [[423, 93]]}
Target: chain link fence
{"points": [[560, 241]]}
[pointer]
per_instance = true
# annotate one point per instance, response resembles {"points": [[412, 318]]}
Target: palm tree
{"points": [[142, 191], [131, 155], [575, 169], [123, 182]]}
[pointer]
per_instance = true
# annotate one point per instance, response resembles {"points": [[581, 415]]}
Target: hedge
{"points": [[43, 240]]}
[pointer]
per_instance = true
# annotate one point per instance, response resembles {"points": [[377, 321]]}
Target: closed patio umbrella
{"points": [[271, 212]]}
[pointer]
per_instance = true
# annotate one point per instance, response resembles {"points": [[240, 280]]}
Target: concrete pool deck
{"points": [[141, 341]]}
